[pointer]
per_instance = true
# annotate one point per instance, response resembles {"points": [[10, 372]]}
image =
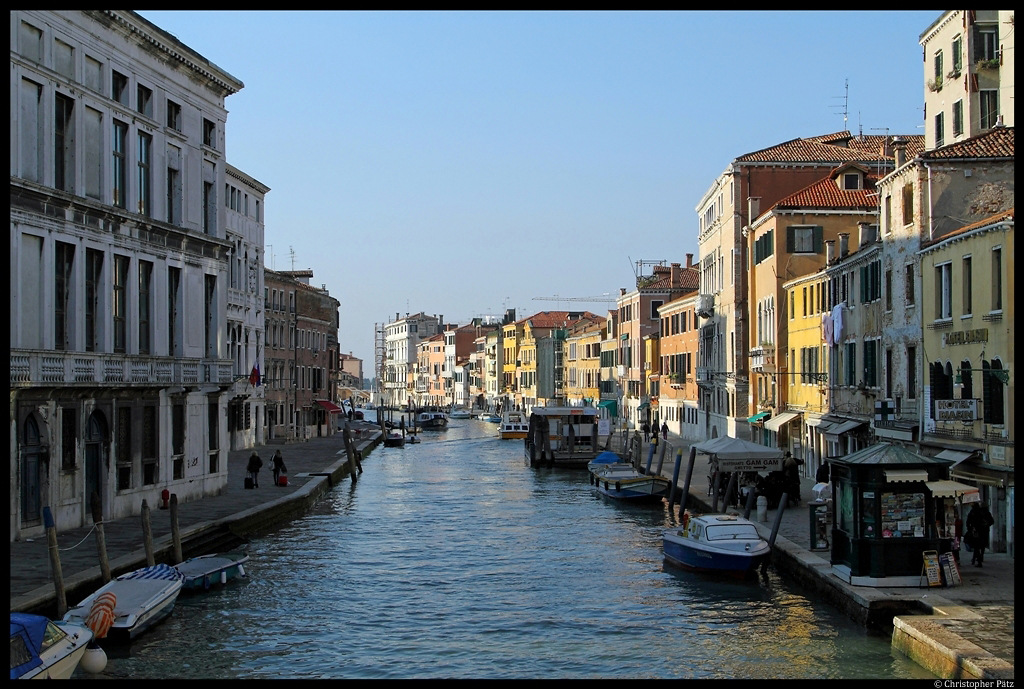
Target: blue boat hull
{"points": [[702, 560]]}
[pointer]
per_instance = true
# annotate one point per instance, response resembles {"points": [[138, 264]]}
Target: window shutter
{"points": [[818, 236], [986, 392], [790, 240]]}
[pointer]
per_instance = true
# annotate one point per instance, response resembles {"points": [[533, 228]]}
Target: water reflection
{"points": [[449, 558]]}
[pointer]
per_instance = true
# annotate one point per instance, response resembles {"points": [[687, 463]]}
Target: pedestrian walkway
{"points": [[31, 582]]}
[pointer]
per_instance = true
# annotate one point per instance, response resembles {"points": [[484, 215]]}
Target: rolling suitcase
{"points": [[248, 482]]}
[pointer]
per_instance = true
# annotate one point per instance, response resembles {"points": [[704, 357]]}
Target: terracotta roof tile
{"points": [[554, 319], [825, 193], [995, 143], [990, 220], [834, 148]]}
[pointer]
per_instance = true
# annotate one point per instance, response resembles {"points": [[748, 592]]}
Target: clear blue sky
{"points": [[461, 163]]}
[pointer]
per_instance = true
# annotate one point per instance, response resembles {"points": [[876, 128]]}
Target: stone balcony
{"points": [[48, 368]]}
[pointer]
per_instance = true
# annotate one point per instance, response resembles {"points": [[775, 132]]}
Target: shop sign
{"points": [[965, 337], [956, 410]]}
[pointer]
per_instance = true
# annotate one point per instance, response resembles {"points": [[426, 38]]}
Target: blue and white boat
{"points": [[618, 479], [460, 413], [143, 598], [723, 543], [203, 572], [43, 649]]}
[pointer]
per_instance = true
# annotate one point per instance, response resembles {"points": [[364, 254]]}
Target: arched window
{"points": [[31, 483], [992, 390]]}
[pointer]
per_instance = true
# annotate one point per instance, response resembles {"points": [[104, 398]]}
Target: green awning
{"points": [[758, 417], [612, 406], [643, 405]]}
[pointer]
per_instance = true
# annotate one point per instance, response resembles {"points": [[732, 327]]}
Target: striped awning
{"points": [[905, 475], [777, 422]]}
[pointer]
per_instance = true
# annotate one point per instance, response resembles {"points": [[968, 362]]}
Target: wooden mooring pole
{"points": [[350, 451], [58, 576], [147, 535], [675, 476], [101, 540], [650, 458], [686, 482], [661, 458], [175, 532]]}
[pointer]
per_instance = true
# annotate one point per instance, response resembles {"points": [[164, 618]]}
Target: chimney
{"points": [[396, 315], [899, 145], [689, 260], [622, 291], [830, 251], [675, 274], [753, 208], [867, 233], [844, 244], [886, 151]]}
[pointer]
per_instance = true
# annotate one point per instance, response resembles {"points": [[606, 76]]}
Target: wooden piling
{"points": [[175, 533], [58, 576], [717, 490], [101, 539], [686, 482], [728, 491], [661, 458], [751, 497], [778, 519], [675, 476], [147, 535], [350, 451], [650, 458]]}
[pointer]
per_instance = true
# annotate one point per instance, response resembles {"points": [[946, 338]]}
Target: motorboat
{"points": [[488, 416], [394, 439], [206, 571], [460, 413], [724, 543], [572, 437], [618, 479], [431, 419], [142, 599], [514, 424], [44, 649]]}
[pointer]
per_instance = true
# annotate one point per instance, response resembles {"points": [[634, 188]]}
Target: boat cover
{"points": [[606, 458], [26, 641]]}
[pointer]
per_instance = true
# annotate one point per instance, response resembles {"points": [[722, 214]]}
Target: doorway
{"points": [[95, 446], [31, 491]]}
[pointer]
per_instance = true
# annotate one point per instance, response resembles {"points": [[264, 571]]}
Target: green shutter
{"points": [[790, 240], [819, 239]]}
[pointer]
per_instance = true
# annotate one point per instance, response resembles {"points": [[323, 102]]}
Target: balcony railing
{"points": [[705, 305], [36, 368]]}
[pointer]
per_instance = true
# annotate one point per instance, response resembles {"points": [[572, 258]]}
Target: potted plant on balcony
{"points": [[935, 84], [989, 64]]}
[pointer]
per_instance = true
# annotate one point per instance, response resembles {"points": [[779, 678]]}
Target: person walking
{"points": [[646, 428], [979, 519], [822, 475], [253, 467], [278, 467], [664, 430]]}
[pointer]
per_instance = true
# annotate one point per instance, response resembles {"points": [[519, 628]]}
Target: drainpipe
{"points": [[929, 205]]}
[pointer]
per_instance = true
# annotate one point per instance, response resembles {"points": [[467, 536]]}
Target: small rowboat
{"points": [[203, 572]]}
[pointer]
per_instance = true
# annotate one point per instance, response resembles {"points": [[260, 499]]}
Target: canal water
{"points": [[452, 558]]}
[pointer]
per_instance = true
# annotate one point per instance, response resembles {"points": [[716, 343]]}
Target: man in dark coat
{"points": [[791, 473], [979, 519], [253, 467], [646, 428]]}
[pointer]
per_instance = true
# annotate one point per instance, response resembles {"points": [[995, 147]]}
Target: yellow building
{"points": [[583, 363], [512, 334], [802, 370], [968, 282], [526, 371]]}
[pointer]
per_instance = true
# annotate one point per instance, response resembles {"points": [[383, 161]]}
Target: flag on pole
{"points": [[254, 377]]}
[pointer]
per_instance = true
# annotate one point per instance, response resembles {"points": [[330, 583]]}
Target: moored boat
{"points": [[492, 418], [564, 437], [513, 424], [394, 439], [723, 543], [44, 649], [143, 598], [205, 571], [618, 479], [460, 413], [431, 419]]}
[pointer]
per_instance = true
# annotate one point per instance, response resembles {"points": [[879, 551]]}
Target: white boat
{"points": [[143, 598], [514, 424], [489, 416], [618, 479], [209, 570], [431, 419], [723, 543], [44, 649], [460, 413]]}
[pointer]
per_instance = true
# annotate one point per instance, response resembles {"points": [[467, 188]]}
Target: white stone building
{"points": [[247, 300], [118, 267], [401, 339]]}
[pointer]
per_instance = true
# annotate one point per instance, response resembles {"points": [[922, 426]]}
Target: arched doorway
{"points": [[31, 484], [96, 437]]}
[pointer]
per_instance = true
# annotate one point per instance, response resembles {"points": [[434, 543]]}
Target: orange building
{"points": [[677, 383]]}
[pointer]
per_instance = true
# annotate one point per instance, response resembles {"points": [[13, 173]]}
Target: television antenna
{"points": [[846, 104]]}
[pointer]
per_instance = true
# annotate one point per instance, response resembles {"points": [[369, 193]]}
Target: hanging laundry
{"points": [[826, 329], [837, 322]]}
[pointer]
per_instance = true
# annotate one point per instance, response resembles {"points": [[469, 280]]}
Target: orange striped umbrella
{"points": [[101, 615]]}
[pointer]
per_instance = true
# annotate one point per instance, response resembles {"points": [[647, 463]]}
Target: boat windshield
{"points": [[730, 532], [52, 635]]}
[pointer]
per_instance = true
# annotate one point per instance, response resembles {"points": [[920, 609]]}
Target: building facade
{"points": [[402, 337], [117, 232], [677, 398]]}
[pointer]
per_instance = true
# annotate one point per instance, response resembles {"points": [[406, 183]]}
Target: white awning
{"points": [[844, 427], [905, 475], [820, 424], [950, 489], [777, 422], [894, 433], [956, 455]]}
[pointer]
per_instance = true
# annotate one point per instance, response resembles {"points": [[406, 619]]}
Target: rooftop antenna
{"points": [[291, 250], [845, 105]]}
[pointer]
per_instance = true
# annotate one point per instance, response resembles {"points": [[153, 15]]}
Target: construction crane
{"points": [[602, 298]]}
